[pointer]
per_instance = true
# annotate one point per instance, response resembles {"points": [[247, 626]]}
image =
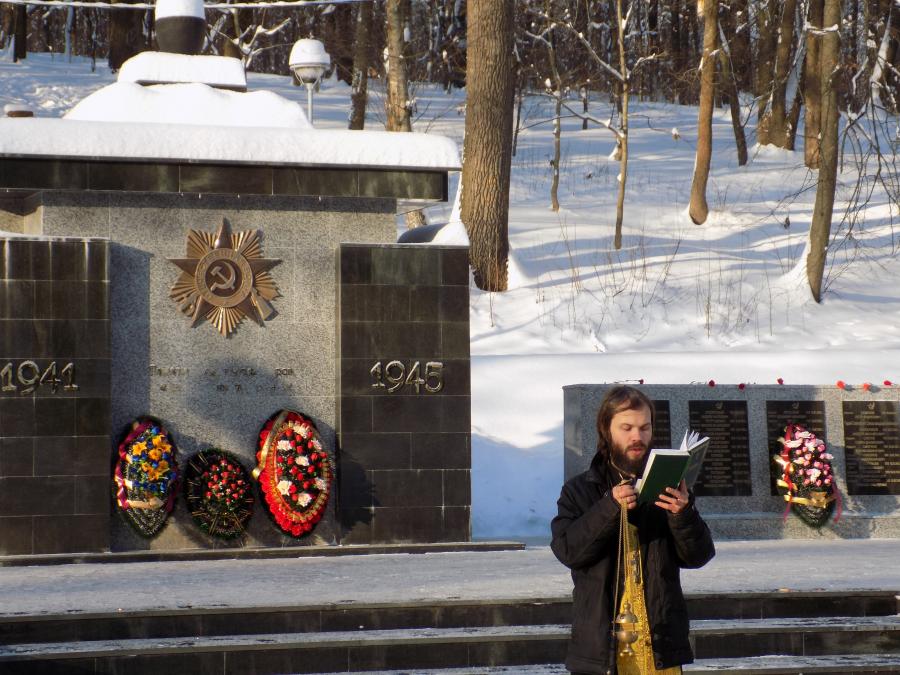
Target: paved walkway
{"points": [[530, 573]]}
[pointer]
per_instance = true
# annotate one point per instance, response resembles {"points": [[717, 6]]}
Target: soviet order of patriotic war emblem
{"points": [[225, 278]]}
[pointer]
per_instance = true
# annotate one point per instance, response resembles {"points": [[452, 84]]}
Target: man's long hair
{"points": [[619, 398]]}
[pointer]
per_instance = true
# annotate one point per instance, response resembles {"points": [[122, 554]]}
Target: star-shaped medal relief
{"points": [[225, 278]]}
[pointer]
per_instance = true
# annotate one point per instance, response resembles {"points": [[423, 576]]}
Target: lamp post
{"points": [[309, 61]]}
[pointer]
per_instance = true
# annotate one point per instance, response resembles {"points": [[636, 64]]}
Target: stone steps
{"points": [[448, 637]]}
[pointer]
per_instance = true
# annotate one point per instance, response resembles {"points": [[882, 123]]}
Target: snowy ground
{"points": [[532, 573], [679, 303]]}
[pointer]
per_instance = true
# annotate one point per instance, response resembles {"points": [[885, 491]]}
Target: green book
{"points": [[667, 467]]}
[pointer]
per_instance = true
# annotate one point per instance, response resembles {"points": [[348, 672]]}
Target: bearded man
{"points": [[664, 536]]}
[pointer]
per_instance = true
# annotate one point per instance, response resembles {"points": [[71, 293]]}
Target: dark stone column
{"points": [[55, 454], [404, 394]]}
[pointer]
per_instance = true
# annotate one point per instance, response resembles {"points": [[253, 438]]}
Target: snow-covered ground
{"points": [[679, 303]]}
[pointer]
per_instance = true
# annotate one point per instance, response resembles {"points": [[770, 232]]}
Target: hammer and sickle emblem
{"points": [[226, 281]]}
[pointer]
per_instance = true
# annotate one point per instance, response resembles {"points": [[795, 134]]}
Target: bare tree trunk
{"points": [[729, 83], [557, 133], [488, 140], [699, 209], [765, 65], [360, 84], [20, 50], [126, 35], [584, 105], [622, 144], [776, 118], [397, 102], [820, 229], [812, 86]]}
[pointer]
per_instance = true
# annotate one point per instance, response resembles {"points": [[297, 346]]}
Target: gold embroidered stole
{"points": [[635, 655]]}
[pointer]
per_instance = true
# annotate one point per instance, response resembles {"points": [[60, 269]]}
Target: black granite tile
{"points": [[68, 299], [43, 299], [48, 667], [92, 339], [455, 340], [355, 264], [458, 527], [355, 413], [454, 303], [92, 495], [16, 535], [441, 451], [98, 260], [268, 661], [377, 451], [16, 456], [16, 416], [63, 338], [256, 180], [423, 413], [68, 261], [408, 655], [71, 534], [517, 652], [407, 488], [92, 416], [397, 340], [95, 454], [724, 646], [425, 303], [403, 184], [132, 177], [872, 641], [96, 298], [317, 181], [455, 377], [48, 174], [357, 378], [355, 525], [54, 416], [17, 259], [195, 663], [406, 265], [56, 456], [91, 376], [455, 267], [18, 299], [363, 302], [457, 487], [42, 259], [36, 496], [355, 489], [457, 413], [407, 524]]}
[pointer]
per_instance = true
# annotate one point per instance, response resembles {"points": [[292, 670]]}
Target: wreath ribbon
{"points": [[267, 447]]}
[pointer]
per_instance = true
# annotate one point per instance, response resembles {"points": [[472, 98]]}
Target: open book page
{"points": [[666, 467]]}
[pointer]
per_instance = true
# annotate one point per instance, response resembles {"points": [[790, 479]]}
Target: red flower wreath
{"points": [[294, 472]]}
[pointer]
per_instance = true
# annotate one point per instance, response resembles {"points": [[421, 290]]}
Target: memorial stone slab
{"points": [[735, 493]]}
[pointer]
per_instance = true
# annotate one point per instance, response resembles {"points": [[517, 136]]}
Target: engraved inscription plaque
{"points": [[809, 414], [662, 425], [872, 444], [726, 469]]}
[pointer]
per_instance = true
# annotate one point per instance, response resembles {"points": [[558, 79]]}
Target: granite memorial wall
{"points": [[737, 490], [212, 370]]}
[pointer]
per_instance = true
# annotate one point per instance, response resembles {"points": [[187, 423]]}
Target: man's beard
{"points": [[624, 463]]}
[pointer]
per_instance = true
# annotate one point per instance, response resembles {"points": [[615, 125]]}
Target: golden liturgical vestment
{"points": [[635, 651]]}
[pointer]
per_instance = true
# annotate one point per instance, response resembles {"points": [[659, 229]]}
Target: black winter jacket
{"points": [[585, 539]]}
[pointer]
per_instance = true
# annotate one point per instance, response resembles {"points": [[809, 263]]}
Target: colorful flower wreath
{"points": [[218, 493], [294, 472], [807, 481], [145, 476]]}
